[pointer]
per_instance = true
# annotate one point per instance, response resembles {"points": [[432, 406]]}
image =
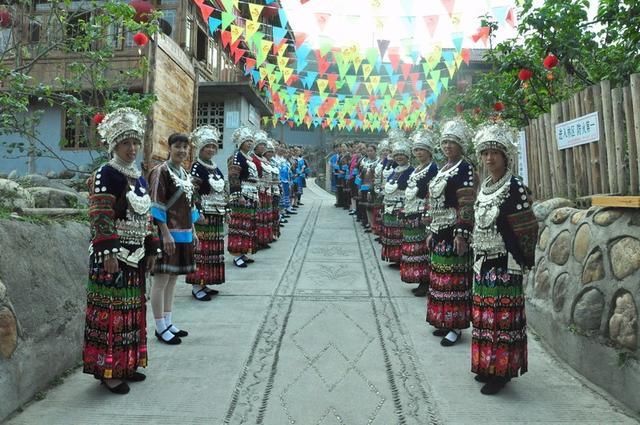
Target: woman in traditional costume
{"points": [[414, 267], [383, 170], [124, 246], [264, 229], [211, 202], [367, 169], [175, 213], [504, 240], [450, 216], [394, 196], [243, 198]]}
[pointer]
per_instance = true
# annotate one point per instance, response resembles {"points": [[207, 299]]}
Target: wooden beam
{"points": [[616, 201]]}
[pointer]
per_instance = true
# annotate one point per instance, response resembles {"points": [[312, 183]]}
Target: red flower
{"points": [[143, 10], [498, 106], [525, 74], [97, 118], [140, 39], [5, 18], [550, 62]]}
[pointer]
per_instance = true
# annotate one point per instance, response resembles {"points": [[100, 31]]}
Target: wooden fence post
{"points": [[583, 170], [630, 120], [635, 101], [594, 163], [607, 116], [602, 148], [571, 177], [618, 131], [559, 158]]}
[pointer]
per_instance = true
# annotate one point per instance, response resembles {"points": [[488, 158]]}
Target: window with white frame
{"points": [[212, 113]]}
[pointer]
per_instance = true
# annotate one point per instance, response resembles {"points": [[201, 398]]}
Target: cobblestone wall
{"points": [[583, 293]]}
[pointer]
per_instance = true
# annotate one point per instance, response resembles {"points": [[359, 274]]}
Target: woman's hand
{"points": [[429, 241], [168, 244], [111, 264], [460, 245], [196, 241]]}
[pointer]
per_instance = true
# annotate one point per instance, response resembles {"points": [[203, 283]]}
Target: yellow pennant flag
{"points": [[392, 89], [282, 49], [366, 69], [265, 46], [456, 19], [375, 80], [282, 62], [251, 27], [236, 4], [433, 84], [357, 61], [322, 84], [287, 72], [255, 10], [369, 88], [451, 67], [263, 73], [236, 32]]}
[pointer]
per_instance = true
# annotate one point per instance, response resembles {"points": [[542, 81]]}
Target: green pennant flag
{"points": [[383, 88], [372, 55], [351, 82], [445, 82], [227, 18]]}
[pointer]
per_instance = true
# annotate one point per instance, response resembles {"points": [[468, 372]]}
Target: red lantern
{"points": [[97, 118], [550, 62], [498, 106], [5, 18], [143, 10], [140, 39], [525, 74]]}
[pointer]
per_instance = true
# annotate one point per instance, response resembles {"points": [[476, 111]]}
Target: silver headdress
{"points": [[122, 124], [260, 137], [423, 139], [204, 135], [243, 134], [384, 145], [271, 146], [400, 146], [395, 133], [456, 131], [497, 136]]}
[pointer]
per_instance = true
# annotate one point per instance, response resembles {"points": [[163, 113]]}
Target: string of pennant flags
{"points": [[383, 87]]}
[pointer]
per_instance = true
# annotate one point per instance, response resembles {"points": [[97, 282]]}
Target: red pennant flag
{"points": [[206, 11], [249, 64], [382, 46], [432, 23], [333, 78], [414, 78], [466, 55], [323, 66], [394, 57], [237, 54], [511, 18], [301, 37], [322, 19], [449, 5], [400, 86], [226, 38], [406, 69]]}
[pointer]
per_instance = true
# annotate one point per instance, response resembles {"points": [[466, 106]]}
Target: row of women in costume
{"points": [[467, 246], [172, 226]]}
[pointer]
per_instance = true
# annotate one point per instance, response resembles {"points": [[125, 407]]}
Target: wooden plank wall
{"points": [[609, 166]]}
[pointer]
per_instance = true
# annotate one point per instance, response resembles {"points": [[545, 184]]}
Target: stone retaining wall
{"points": [[43, 270], [582, 296]]}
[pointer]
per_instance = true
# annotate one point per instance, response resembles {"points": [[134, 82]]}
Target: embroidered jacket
{"points": [[119, 217], [210, 185], [418, 188], [451, 198], [243, 176]]}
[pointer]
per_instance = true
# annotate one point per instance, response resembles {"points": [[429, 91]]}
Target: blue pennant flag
{"points": [[283, 18], [214, 24]]}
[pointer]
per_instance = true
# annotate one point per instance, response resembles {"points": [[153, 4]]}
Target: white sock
{"points": [[160, 327], [167, 320], [453, 335]]}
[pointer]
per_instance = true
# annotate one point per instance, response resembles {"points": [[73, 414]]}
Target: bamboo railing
{"points": [[608, 166]]}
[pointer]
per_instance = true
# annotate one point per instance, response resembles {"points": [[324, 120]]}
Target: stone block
{"points": [[48, 197], [606, 217], [581, 242], [561, 248], [8, 332], [578, 217], [560, 289], [625, 257], [587, 313], [623, 325], [542, 282], [13, 196], [593, 268], [560, 215], [543, 209], [543, 240]]}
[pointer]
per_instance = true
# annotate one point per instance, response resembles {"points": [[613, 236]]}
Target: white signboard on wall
{"points": [[579, 131], [523, 170], [254, 118]]}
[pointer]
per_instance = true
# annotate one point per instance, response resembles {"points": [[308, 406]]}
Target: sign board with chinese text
{"points": [[578, 131]]}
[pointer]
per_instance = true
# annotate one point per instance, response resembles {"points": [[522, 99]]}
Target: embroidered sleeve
{"points": [[102, 200], [466, 196], [158, 194], [523, 226]]}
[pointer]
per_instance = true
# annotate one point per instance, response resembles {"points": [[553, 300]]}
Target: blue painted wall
{"points": [[50, 131]]}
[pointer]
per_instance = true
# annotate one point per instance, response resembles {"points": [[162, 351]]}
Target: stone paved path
{"points": [[323, 334]]}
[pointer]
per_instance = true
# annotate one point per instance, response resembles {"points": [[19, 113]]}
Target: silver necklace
{"points": [[129, 169], [208, 165], [488, 187], [182, 181]]}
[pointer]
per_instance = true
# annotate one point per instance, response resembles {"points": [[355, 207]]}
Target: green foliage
{"points": [[86, 38], [606, 48]]}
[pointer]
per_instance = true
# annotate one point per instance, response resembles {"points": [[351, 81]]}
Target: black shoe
{"points": [[211, 291], [247, 259], [421, 290], [448, 343], [377, 239], [368, 230], [136, 377], [286, 216], [494, 385], [292, 213], [440, 332], [300, 204], [482, 378], [173, 341], [121, 388], [180, 333], [266, 246], [205, 297], [238, 262], [281, 225], [284, 221], [394, 266]]}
